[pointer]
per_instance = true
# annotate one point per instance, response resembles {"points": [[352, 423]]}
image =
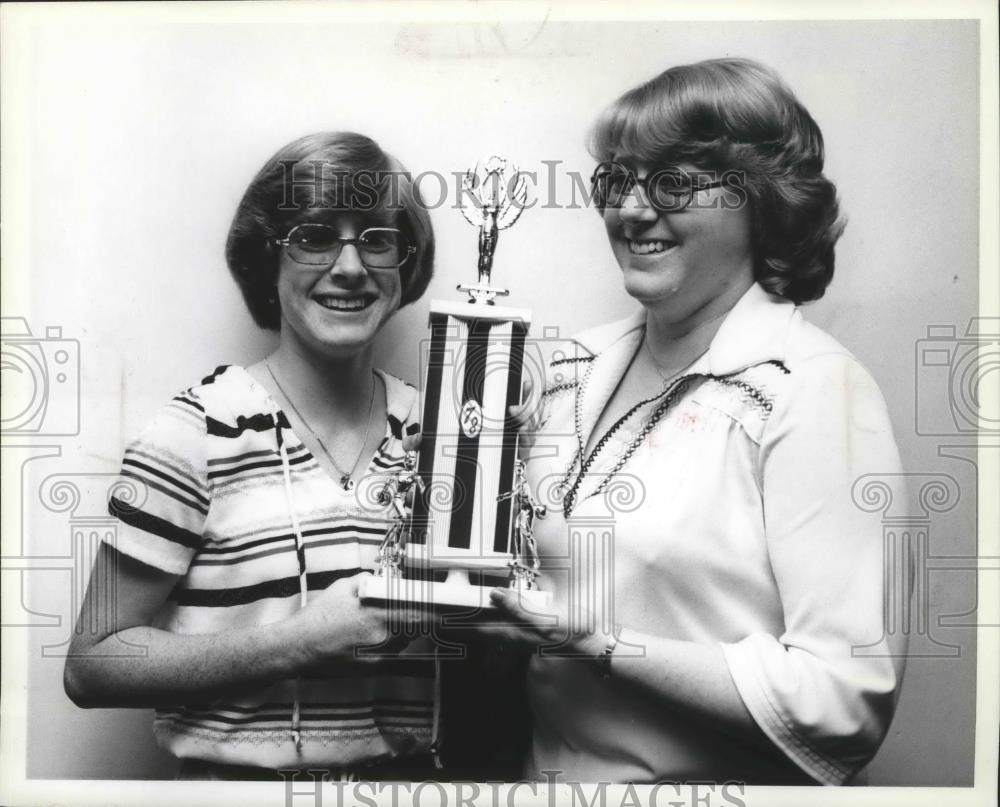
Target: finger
{"points": [[354, 583], [412, 438], [413, 617], [508, 601], [527, 388], [522, 415], [523, 611], [525, 414]]}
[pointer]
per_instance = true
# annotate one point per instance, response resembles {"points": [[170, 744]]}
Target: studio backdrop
{"points": [[140, 136]]}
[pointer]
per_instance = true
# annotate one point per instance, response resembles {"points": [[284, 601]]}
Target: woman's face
{"points": [[688, 265], [337, 310]]}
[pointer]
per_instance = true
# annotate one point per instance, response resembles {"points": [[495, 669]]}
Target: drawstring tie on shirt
{"points": [[397, 429], [300, 553]]}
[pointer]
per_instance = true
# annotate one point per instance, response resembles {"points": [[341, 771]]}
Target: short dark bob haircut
{"points": [[737, 115], [313, 179]]}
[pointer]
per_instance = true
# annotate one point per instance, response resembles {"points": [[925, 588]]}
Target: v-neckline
{"points": [[597, 388], [591, 401], [324, 463]]}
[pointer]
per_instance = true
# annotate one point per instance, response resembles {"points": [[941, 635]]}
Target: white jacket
{"points": [[730, 521]]}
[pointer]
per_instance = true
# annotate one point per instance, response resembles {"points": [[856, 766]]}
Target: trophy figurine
{"points": [[392, 551], [464, 505]]}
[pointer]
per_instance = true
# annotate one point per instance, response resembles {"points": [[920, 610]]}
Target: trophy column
{"points": [[471, 508], [470, 443]]}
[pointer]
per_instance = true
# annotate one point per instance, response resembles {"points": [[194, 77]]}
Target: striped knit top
{"points": [[219, 489]]}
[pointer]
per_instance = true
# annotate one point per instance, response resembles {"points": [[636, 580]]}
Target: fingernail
{"points": [[497, 594]]}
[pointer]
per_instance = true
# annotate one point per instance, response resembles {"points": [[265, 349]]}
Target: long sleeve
{"points": [[824, 703]]}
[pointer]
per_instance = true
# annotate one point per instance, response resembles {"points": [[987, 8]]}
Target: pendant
{"points": [[346, 482]]}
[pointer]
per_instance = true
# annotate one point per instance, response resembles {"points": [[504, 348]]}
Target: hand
{"points": [[335, 625], [537, 626], [525, 414]]}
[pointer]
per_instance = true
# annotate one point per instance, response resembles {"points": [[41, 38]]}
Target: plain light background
{"points": [[144, 136]]}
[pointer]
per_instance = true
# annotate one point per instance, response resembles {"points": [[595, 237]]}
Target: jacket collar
{"points": [[754, 331]]}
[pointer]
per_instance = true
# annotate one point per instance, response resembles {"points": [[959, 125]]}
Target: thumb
{"points": [[411, 442], [525, 412], [507, 600], [527, 388], [354, 582]]}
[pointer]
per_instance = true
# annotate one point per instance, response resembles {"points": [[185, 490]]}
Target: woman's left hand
{"points": [[690, 676], [528, 623]]}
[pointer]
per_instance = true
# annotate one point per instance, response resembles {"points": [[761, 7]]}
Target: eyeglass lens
{"points": [[319, 245], [666, 190]]}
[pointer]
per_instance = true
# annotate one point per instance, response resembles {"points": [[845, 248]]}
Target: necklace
{"points": [[346, 482], [674, 385]]}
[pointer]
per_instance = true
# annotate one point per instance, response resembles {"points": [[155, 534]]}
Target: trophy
{"points": [[463, 506]]}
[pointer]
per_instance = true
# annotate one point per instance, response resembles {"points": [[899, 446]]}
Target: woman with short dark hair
{"points": [[243, 534], [718, 594], [311, 179]]}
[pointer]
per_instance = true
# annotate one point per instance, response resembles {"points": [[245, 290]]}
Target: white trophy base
{"points": [[447, 595]]}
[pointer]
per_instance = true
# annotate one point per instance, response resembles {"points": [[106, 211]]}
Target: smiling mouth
{"points": [[332, 303], [650, 247]]}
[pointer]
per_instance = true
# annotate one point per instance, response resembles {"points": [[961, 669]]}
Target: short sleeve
{"points": [[162, 498], [824, 690]]}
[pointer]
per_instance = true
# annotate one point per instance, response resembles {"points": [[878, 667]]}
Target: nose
{"points": [[348, 264], [636, 207]]}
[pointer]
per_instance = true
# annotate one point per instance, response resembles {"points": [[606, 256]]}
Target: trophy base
{"points": [[440, 596]]}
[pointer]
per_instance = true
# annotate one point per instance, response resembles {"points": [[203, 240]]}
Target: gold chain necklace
{"points": [[346, 482]]}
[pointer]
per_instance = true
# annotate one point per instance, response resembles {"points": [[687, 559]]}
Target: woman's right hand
{"points": [[336, 626], [167, 668], [525, 415]]}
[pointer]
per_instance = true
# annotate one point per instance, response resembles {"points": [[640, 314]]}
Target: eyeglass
{"points": [[319, 245], [667, 190]]}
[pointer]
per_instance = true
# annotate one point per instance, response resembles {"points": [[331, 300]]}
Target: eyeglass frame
{"points": [[355, 242], [633, 180]]}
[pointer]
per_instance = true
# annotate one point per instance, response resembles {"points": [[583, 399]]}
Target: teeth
{"points": [[340, 304], [649, 247]]}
